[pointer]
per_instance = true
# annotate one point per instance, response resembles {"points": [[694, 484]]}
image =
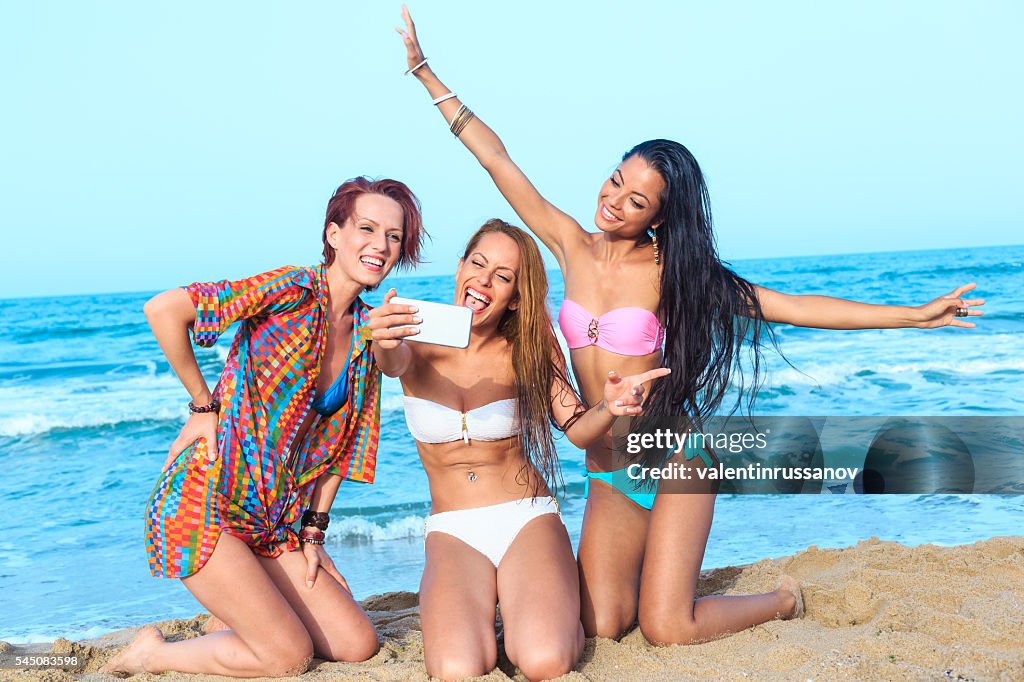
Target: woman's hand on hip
{"points": [[199, 426]]}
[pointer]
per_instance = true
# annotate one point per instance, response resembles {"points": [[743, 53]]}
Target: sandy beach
{"points": [[878, 610]]}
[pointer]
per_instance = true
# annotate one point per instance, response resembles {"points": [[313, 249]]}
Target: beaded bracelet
{"points": [[311, 537], [214, 406]]}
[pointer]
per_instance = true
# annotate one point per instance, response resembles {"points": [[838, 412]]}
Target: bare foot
{"points": [[790, 588], [214, 624], [132, 658]]}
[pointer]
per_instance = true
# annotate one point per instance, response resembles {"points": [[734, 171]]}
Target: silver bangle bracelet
{"points": [[416, 67]]}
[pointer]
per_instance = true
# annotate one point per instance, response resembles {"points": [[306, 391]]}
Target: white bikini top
{"points": [[430, 422]]}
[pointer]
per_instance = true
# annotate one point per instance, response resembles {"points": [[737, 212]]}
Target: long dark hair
{"points": [[709, 311], [537, 361]]}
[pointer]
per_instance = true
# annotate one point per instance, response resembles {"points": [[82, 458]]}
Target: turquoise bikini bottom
{"points": [[640, 492]]}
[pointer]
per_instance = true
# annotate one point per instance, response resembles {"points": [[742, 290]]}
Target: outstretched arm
{"points": [[553, 227], [623, 396], [825, 312]]}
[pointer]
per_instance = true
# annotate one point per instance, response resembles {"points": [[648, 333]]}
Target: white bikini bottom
{"points": [[490, 530]]}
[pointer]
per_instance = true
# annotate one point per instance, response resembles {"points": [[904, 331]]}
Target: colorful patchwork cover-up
{"points": [[261, 480]]}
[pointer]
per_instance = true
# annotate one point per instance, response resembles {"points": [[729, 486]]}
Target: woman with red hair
{"points": [[295, 412]]}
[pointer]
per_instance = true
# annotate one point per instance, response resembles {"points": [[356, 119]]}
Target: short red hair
{"points": [[340, 207]]}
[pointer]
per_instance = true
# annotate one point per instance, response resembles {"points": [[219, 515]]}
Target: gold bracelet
{"points": [[461, 119], [467, 117], [455, 118]]}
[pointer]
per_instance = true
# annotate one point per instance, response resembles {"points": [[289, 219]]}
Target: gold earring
{"points": [[654, 240]]}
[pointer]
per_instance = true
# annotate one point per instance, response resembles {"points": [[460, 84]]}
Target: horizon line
{"points": [[555, 269]]}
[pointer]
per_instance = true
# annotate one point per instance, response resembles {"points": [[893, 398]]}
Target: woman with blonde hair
{"points": [[482, 419]]}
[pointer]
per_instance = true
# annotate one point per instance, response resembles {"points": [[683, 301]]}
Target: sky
{"points": [[148, 145]]}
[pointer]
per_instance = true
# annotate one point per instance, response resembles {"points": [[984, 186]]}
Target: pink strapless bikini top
{"points": [[626, 331]]}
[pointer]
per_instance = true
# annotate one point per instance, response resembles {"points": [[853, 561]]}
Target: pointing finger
{"points": [[961, 290], [654, 374]]}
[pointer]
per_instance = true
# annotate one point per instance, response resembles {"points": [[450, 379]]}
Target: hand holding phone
{"points": [[442, 324], [409, 319], [391, 323]]}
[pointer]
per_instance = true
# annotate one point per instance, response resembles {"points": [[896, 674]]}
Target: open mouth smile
{"points": [[476, 301]]}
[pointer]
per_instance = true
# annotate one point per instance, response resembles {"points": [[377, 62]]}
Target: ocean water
{"points": [[88, 408]]}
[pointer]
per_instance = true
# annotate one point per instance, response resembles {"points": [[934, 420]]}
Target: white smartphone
{"points": [[443, 324]]}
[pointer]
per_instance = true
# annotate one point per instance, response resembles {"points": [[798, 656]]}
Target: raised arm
{"points": [[825, 312], [557, 230]]}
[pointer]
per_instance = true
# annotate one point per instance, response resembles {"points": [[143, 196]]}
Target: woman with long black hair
{"points": [[640, 554]]}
